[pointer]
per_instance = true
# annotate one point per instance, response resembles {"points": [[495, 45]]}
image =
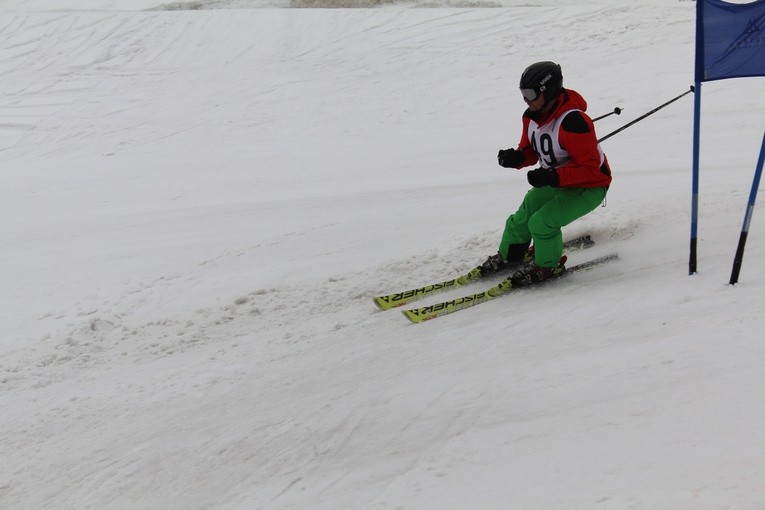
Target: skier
{"points": [[572, 179]]}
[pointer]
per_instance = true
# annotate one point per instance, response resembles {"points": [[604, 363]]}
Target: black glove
{"points": [[510, 158], [543, 177]]}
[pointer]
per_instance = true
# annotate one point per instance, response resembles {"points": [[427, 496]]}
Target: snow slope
{"points": [[198, 205]]}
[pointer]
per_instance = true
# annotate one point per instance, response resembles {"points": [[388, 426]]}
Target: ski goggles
{"points": [[529, 94]]}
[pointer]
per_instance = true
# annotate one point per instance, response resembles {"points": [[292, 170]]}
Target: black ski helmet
{"points": [[543, 78]]}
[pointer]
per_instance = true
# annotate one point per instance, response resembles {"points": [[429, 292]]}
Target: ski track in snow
{"points": [[283, 315]]}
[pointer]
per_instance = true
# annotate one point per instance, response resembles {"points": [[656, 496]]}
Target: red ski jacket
{"points": [[564, 138]]}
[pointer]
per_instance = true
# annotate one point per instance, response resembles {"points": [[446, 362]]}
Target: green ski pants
{"points": [[542, 214]]}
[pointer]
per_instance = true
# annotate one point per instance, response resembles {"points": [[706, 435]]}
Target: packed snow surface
{"points": [[199, 202]]}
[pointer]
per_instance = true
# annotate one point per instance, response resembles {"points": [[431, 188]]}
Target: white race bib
{"points": [[544, 141]]}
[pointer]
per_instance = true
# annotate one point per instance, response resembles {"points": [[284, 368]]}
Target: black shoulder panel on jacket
{"points": [[575, 123]]}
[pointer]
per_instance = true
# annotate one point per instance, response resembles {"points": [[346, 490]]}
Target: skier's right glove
{"points": [[543, 177], [509, 158]]}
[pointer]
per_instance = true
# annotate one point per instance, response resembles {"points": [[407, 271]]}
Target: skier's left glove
{"points": [[543, 177]]}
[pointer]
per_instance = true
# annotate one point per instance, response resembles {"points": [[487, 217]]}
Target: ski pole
{"points": [[617, 111], [612, 133], [609, 135]]}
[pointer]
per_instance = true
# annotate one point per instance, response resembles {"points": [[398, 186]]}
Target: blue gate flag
{"points": [[730, 40]]}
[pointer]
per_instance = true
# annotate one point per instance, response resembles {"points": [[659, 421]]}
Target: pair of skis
{"points": [[425, 313]]}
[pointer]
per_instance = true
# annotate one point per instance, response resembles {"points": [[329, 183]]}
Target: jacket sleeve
{"points": [[584, 169], [530, 156]]}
